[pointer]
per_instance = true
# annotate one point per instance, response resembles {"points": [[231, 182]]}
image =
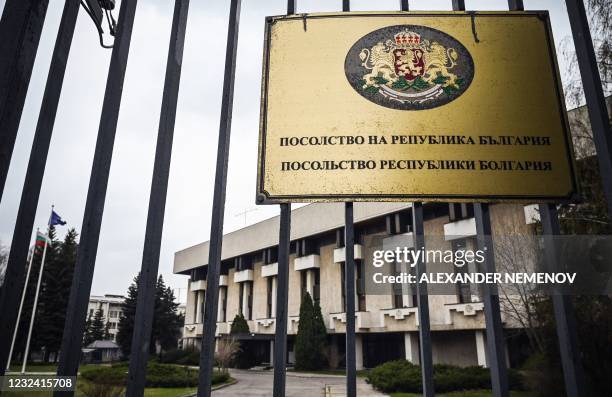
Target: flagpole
{"points": [[23, 295], [40, 273]]}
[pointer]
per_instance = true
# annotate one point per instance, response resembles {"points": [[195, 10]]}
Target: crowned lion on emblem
{"points": [[409, 67]]}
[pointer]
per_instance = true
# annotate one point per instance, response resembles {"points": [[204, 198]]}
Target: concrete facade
{"points": [[111, 311], [386, 325]]}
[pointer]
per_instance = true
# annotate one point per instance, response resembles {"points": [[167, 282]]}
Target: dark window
{"points": [[397, 288], [316, 289], [459, 211], [244, 262], [223, 304], [250, 300], [398, 223], [361, 298], [304, 247], [303, 283], [199, 273], [270, 255], [269, 297], [340, 238]]}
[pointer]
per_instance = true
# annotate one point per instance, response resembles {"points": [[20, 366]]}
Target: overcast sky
{"points": [[188, 210]]}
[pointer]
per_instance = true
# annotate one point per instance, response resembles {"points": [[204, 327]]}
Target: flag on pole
{"points": [[41, 240], [56, 219]]}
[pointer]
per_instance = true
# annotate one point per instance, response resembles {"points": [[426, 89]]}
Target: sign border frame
{"points": [[264, 197]]}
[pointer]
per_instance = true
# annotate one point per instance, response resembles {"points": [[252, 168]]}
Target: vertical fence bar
{"points": [[94, 206], [565, 317], [516, 5], [218, 209], [423, 303], [493, 323], [458, 5], [349, 287], [593, 92], [33, 180], [20, 29], [143, 321], [282, 297], [282, 286]]}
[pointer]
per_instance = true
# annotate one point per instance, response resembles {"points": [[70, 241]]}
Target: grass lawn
{"points": [[52, 368], [476, 393], [169, 392]]}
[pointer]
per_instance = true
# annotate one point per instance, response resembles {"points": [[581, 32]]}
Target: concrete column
{"points": [[411, 343], [198, 316], [245, 300], [310, 282], [273, 314], [358, 351], [481, 348], [222, 297]]}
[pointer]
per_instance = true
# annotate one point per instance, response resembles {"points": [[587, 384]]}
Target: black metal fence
{"points": [[20, 30]]}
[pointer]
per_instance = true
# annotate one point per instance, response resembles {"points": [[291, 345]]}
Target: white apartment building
{"points": [[111, 311], [386, 325]]}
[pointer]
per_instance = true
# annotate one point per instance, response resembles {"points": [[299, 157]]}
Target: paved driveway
{"points": [[259, 383]]}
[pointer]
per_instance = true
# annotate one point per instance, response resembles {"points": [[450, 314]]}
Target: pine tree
{"points": [[97, 326], [239, 325], [167, 322], [310, 339], [57, 279], [126, 321], [87, 336]]}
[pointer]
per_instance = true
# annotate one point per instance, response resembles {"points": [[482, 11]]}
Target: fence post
{"points": [[423, 302], [349, 287], [94, 206], [218, 208], [565, 317], [493, 323], [593, 92], [143, 322], [282, 286], [33, 180], [20, 28], [282, 297]]}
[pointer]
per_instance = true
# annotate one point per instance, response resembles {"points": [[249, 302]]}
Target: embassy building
{"points": [[386, 324]]}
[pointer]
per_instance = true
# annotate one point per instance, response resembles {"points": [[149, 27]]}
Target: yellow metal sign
{"points": [[411, 106]]}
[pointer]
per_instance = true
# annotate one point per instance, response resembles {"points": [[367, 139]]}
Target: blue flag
{"points": [[56, 219]]}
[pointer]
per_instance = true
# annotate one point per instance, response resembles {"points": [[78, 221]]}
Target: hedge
{"points": [[403, 376], [158, 375]]}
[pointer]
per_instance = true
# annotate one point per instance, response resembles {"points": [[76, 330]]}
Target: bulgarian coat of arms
{"points": [[409, 67]]}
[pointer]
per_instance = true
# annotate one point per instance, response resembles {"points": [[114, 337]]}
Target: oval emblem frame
{"points": [[409, 67]]}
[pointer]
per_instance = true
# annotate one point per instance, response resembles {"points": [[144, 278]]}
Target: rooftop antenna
{"points": [[245, 212], [97, 11]]}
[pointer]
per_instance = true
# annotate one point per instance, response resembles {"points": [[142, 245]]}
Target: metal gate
{"points": [[20, 29]]}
